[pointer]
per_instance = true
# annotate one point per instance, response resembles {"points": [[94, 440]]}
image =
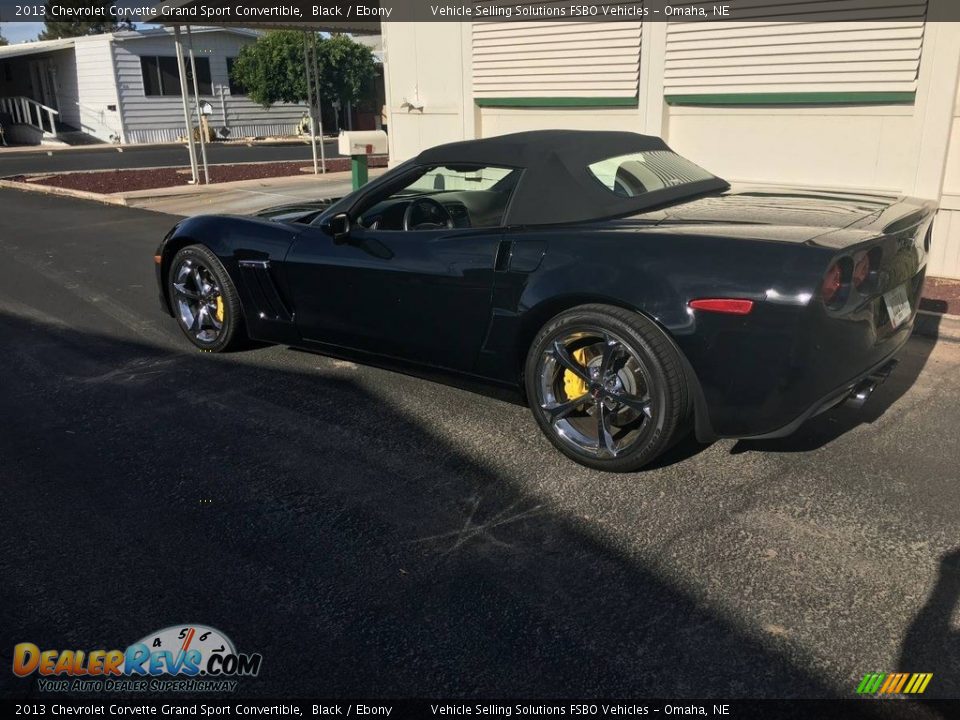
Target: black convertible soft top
{"points": [[556, 186]]}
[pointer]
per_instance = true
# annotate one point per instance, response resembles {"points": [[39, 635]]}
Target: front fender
{"points": [[231, 238]]}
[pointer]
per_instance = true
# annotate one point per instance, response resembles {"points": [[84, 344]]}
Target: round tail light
{"points": [[832, 283]]}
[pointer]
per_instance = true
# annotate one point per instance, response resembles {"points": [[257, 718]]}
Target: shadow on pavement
{"points": [[310, 521], [932, 643]]}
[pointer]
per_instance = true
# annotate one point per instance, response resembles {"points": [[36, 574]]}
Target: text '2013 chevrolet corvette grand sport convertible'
{"points": [[630, 295]]}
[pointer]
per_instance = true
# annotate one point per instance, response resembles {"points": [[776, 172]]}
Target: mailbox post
{"points": [[358, 170], [359, 145]]}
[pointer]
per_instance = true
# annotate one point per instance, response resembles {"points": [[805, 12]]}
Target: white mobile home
{"points": [[125, 87]]}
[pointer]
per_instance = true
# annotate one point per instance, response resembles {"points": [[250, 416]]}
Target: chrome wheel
{"points": [[596, 392], [198, 300]]}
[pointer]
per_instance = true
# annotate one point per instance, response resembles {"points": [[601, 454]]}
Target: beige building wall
{"points": [[945, 250], [900, 147], [427, 82]]}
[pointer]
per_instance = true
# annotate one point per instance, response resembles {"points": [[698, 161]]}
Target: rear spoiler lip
{"points": [[902, 213], [897, 212]]}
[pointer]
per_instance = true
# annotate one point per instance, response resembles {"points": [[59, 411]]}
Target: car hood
{"points": [[302, 212]]}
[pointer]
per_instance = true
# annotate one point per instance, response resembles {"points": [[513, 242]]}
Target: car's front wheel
{"points": [[606, 387], [204, 300]]}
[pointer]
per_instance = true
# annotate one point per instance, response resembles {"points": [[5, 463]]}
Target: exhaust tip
{"points": [[864, 389], [861, 393]]}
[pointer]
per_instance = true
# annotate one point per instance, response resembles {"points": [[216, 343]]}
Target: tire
{"points": [[603, 366], [205, 301]]}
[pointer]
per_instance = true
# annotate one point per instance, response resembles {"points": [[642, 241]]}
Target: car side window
{"points": [[444, 197]]}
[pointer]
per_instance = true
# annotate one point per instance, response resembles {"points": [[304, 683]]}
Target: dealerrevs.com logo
{"points": [[188, 658]]}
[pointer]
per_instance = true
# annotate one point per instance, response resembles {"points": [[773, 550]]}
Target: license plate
{"points": [[898, 305]]}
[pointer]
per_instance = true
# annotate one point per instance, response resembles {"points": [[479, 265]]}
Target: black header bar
{"points": [[318, 13], [395, 709]]}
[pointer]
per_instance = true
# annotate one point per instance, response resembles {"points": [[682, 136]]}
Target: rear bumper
{"points": [[764, 375], [856, 391]]}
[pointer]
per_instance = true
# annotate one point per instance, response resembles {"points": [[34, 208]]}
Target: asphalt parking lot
{"points": [[375, 534]]}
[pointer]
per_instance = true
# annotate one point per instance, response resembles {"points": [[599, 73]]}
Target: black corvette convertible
{"points": [[627, 293]]}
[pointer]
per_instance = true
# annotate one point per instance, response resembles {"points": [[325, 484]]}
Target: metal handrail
{"points": [[27, 111]]}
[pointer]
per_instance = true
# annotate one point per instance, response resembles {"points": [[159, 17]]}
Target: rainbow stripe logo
{"points": [[894, 683]]}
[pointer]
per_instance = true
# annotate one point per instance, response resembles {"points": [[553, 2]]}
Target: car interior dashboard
{"points": [[446, 209]]}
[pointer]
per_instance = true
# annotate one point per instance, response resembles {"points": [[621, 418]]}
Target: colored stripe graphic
{"points": [[894, 683], [862, 687], [899, 686], [918, 683], [870, 683], [889, 683]]}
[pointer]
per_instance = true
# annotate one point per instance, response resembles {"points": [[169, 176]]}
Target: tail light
{"points": [[861, 271], [832, 282]]}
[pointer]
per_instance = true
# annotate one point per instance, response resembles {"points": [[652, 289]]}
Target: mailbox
{"points": [[358, 144], [363, 142]]}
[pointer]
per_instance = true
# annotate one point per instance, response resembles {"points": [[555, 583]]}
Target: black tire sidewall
{"points": [[658, 355]]}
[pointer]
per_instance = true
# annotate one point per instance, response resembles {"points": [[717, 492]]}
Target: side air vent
{"points": [[263, 291]]}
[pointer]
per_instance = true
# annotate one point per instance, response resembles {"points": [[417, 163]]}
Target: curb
{"points": [[937, 326], [67, 192], [127, 198], [135, 198]]}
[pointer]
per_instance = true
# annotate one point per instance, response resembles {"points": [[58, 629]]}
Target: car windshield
{"points": [[638, 173], [440, 179]]}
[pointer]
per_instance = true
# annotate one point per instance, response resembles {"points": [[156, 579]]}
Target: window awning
{"points": [[36, 48]]}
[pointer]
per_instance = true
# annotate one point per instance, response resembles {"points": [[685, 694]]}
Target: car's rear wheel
{"points": [[204, 300], [606, 387]]}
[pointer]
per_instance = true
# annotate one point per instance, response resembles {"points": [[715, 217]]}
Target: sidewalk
{"points": [[242, 197]]}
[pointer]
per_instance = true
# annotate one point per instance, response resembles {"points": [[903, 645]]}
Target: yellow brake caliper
{"points": [[573, 386], [220, 309]]}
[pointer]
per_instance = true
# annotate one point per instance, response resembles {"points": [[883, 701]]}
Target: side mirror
{"points": [[337, 227]]}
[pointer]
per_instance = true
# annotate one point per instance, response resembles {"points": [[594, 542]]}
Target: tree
{"points": [[347, 70], [272, 69], [3, 40], [95, 20]]}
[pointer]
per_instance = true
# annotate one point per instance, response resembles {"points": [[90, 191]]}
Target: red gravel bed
{"points": [[114, 181], [941, 295]]}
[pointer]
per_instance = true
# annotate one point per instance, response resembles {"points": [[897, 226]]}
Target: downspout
{"points": [[116, 91]]}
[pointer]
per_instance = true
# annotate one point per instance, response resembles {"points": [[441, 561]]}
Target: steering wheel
{"points": [[426, 214]]}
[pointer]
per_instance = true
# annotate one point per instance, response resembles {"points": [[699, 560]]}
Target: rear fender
{"points": [[730, 361]]}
